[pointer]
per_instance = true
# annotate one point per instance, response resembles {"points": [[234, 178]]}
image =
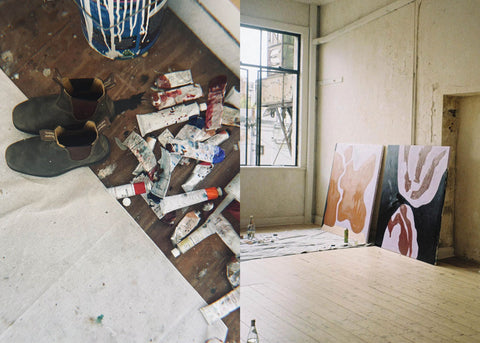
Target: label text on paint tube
{"points": [[151, 144], [139, 147], [222, 307], [193, 239], [216, 92], [185, 226], [176, 96], [166, 117], [174, 202], [174, 79], [197, 151], [130, 189]]}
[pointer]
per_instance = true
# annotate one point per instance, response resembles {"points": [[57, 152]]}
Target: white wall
{"points": [[379, 98], [276, 196]]}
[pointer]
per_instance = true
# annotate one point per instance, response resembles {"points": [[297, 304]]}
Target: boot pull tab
{"points": [[57, 77], [47, 135], [105, 123], [109, 82]]}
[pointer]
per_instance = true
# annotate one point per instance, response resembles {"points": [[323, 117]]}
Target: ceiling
{"points": [[316, 2]]}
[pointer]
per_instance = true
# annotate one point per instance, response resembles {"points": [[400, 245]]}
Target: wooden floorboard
{"points": [[362, 294], [42, 36]]}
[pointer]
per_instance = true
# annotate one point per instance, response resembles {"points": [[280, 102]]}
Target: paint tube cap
{"points": [[203, 107], [175, 252], [219, 190]]}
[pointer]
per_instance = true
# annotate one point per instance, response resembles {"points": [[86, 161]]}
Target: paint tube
{"points": [[218, 139], [174, 79], [193, 239], [216, 92], [174, 202], [151, 144], [160, 187], [233, 193], [226, 232], [139, 147], [233, 272], [165, 137], [231, 116], [199, 173], [233, 97], [185, 226], [196, 150], [222, 307], [158, 120], [176, 96], [193, 133], [128, 190]]}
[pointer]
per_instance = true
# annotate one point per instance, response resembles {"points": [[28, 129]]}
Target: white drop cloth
{"points": [[69, 253]]}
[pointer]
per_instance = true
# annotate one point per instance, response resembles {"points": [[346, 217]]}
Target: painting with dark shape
{"points": [[352, 187], [413, 191]]}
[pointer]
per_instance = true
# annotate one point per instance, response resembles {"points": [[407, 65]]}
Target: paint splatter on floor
{"points": [[107, 171]]}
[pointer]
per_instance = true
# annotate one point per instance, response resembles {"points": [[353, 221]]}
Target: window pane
{"points": [[279, 50], [278, 117], [248, 115], [249, 46]]}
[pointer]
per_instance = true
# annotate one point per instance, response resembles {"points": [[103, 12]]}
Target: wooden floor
{"points": [[359, 295], [47, 35]]}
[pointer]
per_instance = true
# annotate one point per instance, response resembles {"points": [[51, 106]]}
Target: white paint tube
{"points": [[139, 147], [158, 120], [222, 307], [216, 93], [197, 150], [160, 187], [193, 239], [174, 202], [233, 273], [131, 189], [199, 173], [173, 79], [185, 226], [165, 137], [233, 98], [193, 133], [231, 116], [226, 232], [218, 139], [176, 96], [233, 192], [151, 144]]}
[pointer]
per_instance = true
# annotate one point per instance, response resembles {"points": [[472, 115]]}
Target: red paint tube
{"points": [[216, 93], [173, 79], [131, 189], [176, 96]]}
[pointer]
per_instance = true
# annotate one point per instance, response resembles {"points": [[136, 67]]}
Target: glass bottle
{"points": [[251, 229], [252, 334]]}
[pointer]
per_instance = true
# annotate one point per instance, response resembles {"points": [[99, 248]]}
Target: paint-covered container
{"points": [[121, 29]]}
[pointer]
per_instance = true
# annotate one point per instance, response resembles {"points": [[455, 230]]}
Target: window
{"points": [[269, 82]]}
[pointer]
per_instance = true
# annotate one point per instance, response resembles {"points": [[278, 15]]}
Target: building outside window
{"points": [[269, 82]]}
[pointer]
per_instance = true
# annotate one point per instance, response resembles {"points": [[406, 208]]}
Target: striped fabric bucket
{"points": [[121, 29]]}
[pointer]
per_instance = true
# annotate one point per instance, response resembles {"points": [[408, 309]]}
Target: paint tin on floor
{"points": [[121, 29]]}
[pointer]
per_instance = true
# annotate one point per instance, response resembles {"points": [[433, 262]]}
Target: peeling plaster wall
{"points": [[374, 103]]}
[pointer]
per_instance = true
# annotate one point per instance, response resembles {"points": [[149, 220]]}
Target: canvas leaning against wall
{"points": [[352, 188], [413, 192]]}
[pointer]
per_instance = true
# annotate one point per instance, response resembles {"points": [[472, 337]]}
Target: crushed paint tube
{"points": [[158, 120], [231, 116], [130, 189], [216, 93], [199, 173], [197, 121], [160, 187], [193, 133], [233, 272], [233, 97], [197, 150], [120, 144], [174, 79], [165, 137], [222, 307], [233, 192], [151, 144], [193, 239], [218, 139], [139, 147], [185, 226], [226, 232], [175, 202], [176, 96]]}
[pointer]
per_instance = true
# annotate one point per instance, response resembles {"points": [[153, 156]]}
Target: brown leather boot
{"points": [[79, 100], [57, 151]]}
